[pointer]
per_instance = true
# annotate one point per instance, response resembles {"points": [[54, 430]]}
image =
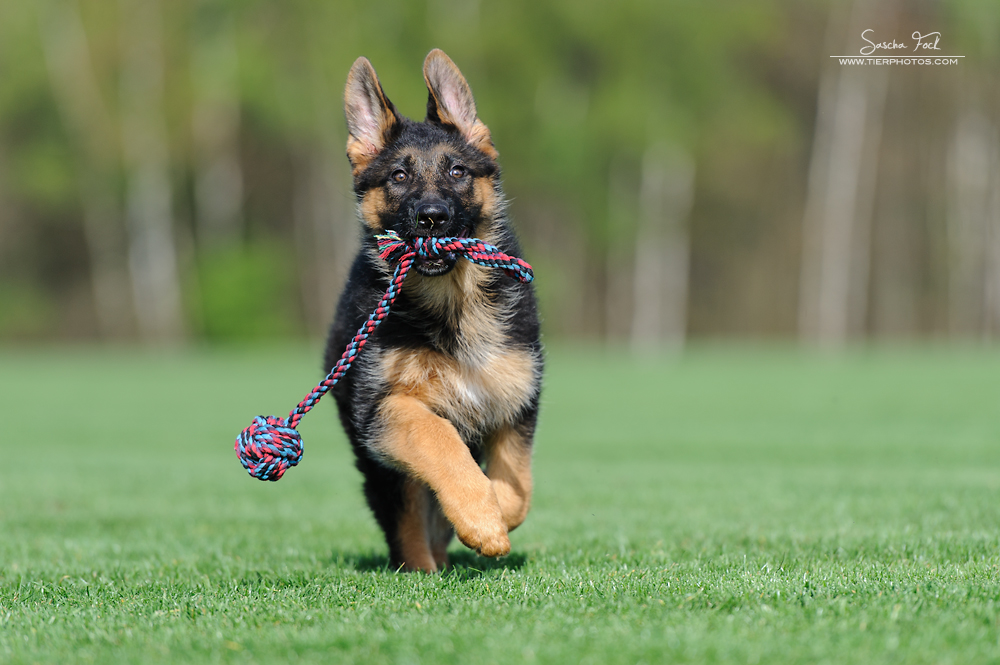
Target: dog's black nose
{"points": [[431, 217]]}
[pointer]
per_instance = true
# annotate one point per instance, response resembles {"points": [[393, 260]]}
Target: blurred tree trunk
{"points": [[974, 182], [992, 324], [618, 259], [662, 249], [898, 233], [837, 227], [8, 215], [216, 127], [325, 248], [326, 230], [149, 209], [74, 82]]}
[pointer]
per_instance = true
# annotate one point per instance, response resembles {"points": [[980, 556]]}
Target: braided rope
{"points": [[271, 445]]}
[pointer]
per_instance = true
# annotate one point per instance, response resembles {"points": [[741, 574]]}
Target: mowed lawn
{"points": [[732, 506]]}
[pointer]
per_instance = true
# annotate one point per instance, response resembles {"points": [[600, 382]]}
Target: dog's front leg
{"points": [[429, 448]]}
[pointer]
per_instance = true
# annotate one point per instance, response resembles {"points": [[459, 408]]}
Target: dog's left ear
{"points": [[450, 102]]}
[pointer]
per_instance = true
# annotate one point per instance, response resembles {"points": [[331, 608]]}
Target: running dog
{"points": [[441, 408]]}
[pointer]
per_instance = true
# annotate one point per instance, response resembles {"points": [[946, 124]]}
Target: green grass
{"points": [[730, 506]]}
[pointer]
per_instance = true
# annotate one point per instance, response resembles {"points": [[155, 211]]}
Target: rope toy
{"points": [[270, 445]]}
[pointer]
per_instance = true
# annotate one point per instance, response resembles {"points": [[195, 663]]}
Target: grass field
{"points": [[732, 506]]}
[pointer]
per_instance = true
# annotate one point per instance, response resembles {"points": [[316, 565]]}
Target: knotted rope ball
{"points": [[271, 445]]}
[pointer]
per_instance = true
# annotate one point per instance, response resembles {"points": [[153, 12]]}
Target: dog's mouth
{"points": [[434, 266]]}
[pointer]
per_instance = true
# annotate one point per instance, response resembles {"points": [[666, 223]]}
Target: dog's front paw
{"points": [[481, 527], [492, 540], [487, 538]]}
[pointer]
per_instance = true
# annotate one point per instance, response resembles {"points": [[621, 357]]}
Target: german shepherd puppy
{"points": [[441, 406]]}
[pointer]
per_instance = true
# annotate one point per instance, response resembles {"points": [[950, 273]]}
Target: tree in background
{"points": [[149, 207], [833, 294], [91, 129]]}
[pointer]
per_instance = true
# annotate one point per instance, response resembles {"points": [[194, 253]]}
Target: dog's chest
{"points": [[478, 394]]}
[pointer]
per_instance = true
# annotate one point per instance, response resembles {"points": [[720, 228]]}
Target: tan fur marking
{"points": [[412, 531], [429, 448], [485, 196], [360, 154], [489, 393], [459, 295], [389, 119], [508, 466], [372, 205], [479, 137]]}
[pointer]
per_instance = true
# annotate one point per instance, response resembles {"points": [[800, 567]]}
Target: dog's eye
{"points": [[457, 171], [399, 175]]}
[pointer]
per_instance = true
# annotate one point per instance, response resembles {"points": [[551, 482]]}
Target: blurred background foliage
{"points": [[175, 170]]}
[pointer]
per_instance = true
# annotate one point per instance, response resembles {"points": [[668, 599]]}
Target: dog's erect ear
{"points": [[450, 101], [371, 117]]}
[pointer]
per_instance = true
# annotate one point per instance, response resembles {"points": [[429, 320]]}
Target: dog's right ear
{"points": [[371, 117]]}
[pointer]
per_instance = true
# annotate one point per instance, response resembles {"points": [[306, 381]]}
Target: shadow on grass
{"points": [[469, 564], [464, 564]]}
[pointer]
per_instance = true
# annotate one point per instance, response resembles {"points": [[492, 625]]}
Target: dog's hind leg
{"points": [[414, 528], [439, 532], [508, 466], [424, 532], [430, 448], [400, 505]]}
